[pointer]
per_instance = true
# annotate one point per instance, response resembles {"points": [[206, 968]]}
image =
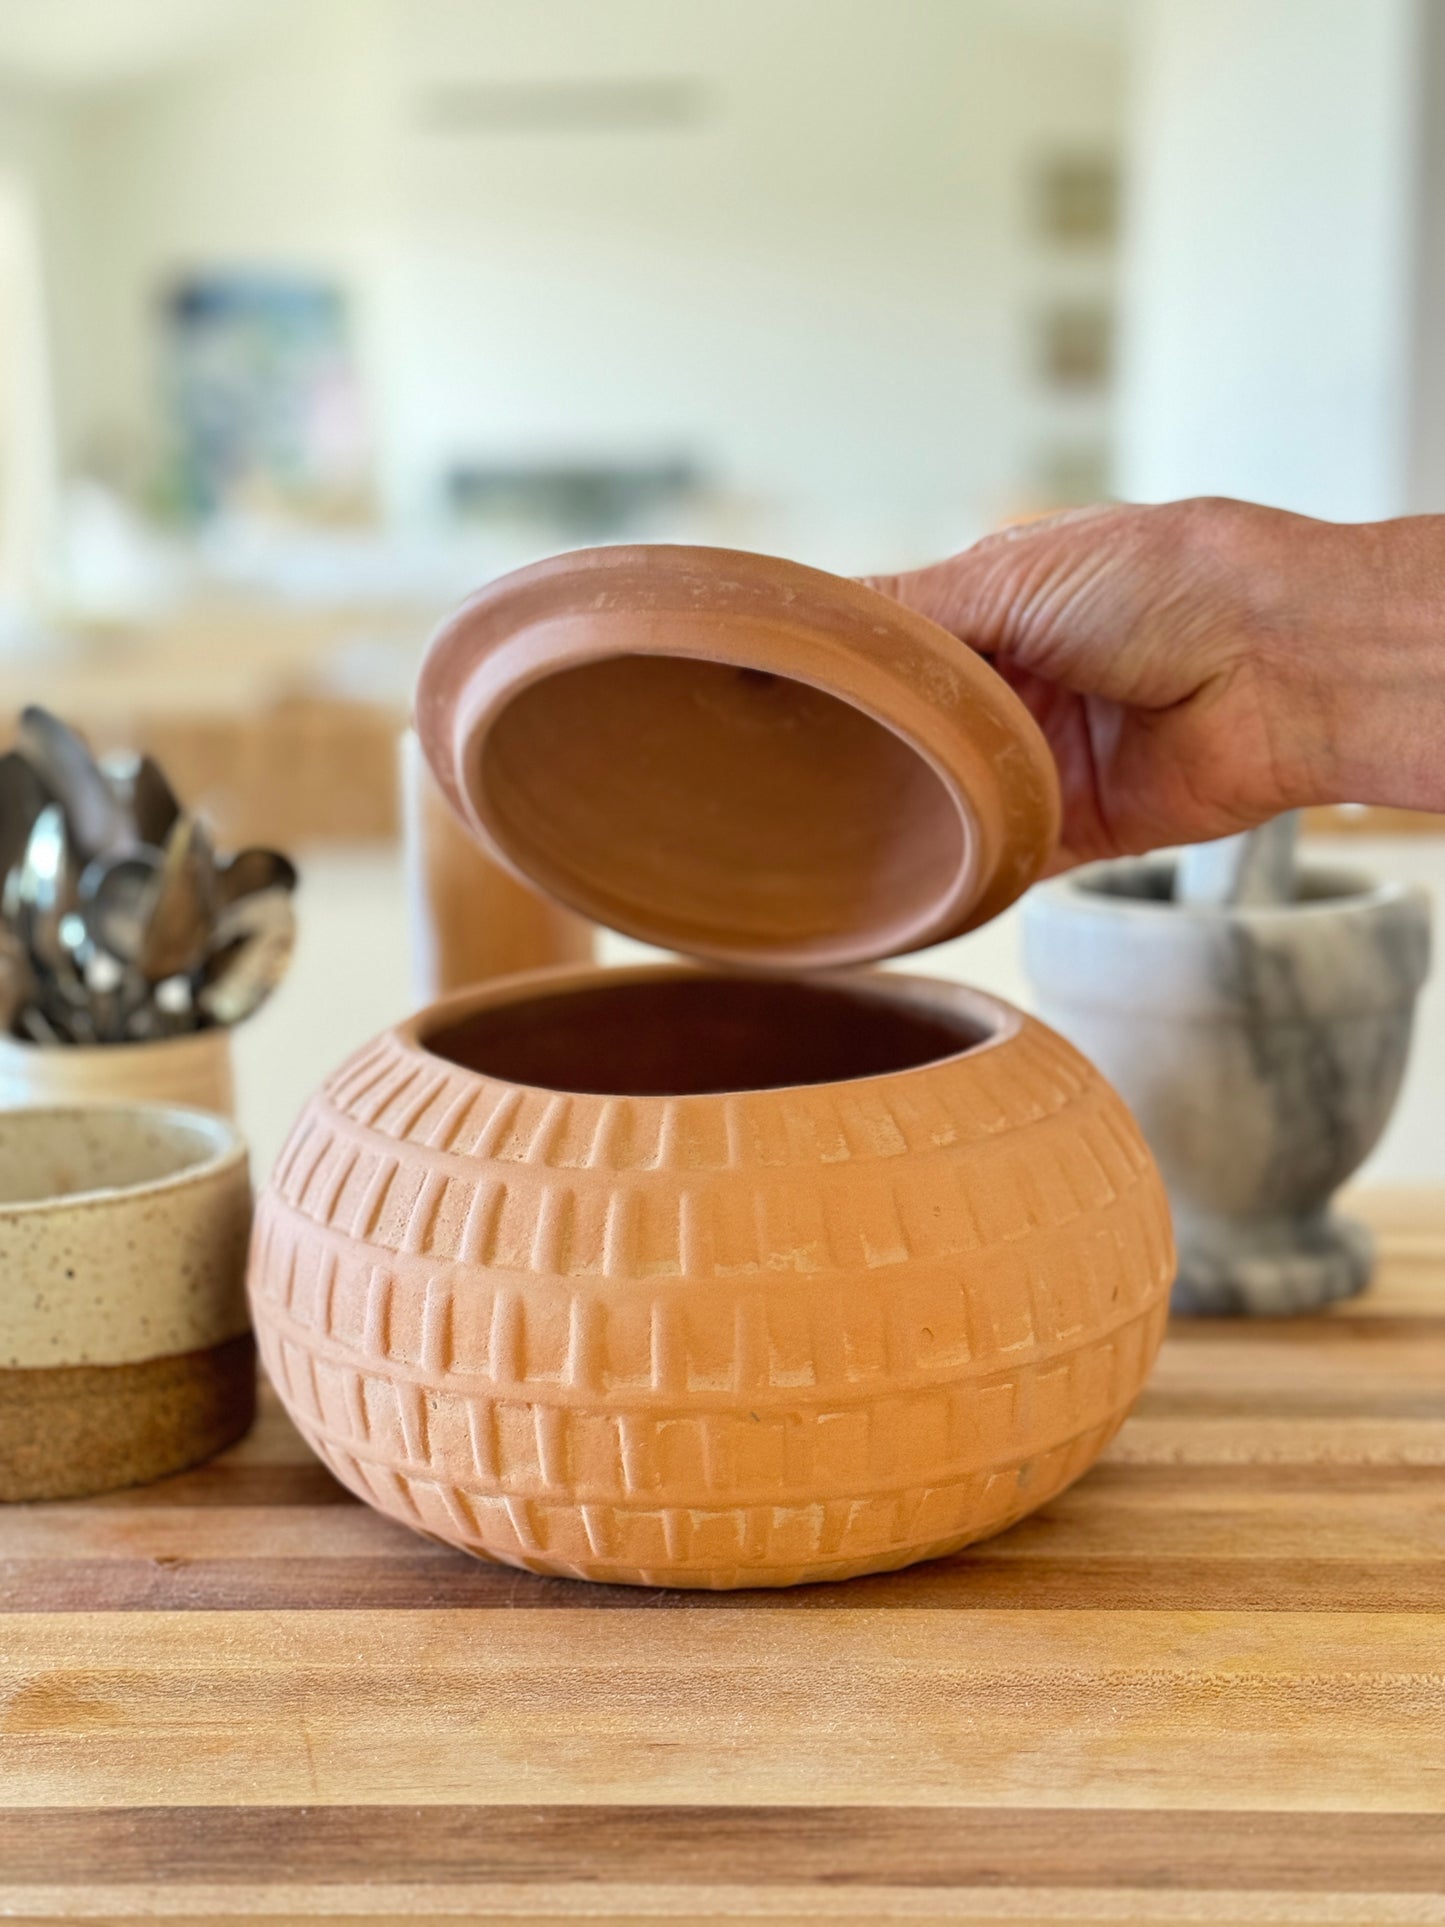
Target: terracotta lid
{"points": [[735, 756]]}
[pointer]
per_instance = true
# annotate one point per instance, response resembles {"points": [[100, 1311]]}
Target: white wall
{"points": [[823, 292], [1268, 272], [1426, 479], [30, 172], [270, 153], [824, 288]]}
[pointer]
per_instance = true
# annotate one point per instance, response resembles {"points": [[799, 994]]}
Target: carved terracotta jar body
{"points": [[700, 1338], [719, 1277]]}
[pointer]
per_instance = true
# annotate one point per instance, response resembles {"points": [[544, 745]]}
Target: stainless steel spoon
{"points": [[178, 930], [141, 785], [254, 941], [17, 979], [42, 895], [22, 797], [117, 896], [45, 886], [34, 1024], [114, 991], [251, 870], [97, 817]]}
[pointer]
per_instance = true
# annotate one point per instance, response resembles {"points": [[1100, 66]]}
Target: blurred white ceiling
{"points": [[84, 44], [99, 43]]}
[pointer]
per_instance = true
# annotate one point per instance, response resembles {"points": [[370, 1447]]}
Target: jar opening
{"points": [[682, 1036], [726, 811]]}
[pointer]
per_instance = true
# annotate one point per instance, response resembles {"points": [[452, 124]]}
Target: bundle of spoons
{"points": [[119, 922]]}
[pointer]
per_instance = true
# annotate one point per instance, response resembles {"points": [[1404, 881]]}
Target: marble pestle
{"points": [[1255, 867]]}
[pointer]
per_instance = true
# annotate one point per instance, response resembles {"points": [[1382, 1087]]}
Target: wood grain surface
{"points": [[1207, 1684]]}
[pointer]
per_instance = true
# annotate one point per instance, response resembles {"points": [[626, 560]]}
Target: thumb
{"points": [[948, 593]]}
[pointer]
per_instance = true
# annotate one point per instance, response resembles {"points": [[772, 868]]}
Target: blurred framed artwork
{"points": [[264, 398]]}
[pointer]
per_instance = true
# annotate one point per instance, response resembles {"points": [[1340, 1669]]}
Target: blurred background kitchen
{"points": [[316, 313]]}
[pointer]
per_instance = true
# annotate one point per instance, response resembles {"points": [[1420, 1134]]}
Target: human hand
{"points": [[1200, 666]]}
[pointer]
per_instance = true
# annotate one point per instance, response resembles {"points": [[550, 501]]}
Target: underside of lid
{"points": [[735, 756]]}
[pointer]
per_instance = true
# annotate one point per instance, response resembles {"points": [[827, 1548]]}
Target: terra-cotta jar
{"points": [[747, 1273]]}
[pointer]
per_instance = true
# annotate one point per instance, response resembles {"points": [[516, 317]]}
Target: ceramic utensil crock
{"points": [[468, 919], [711, 1277], [193, 1069], [125, 1351]]}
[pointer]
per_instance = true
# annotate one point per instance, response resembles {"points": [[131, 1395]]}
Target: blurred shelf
{"points": [[252, 712], [1356, 819], [283, 724], [299, 772]]}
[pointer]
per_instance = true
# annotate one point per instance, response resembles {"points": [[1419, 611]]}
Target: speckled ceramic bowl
{"points": [[125, 1349]]}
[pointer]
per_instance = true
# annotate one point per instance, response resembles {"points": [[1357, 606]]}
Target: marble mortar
{"points": [[1261, 1049]]}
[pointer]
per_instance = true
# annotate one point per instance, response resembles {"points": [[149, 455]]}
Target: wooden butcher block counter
{"points": [[1207, 1684]]}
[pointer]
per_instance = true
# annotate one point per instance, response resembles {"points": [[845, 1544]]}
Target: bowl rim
{"points": [[227, 1152], [1363, 891], [1005, 1021]]}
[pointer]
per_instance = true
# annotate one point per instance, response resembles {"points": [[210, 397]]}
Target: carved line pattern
{"points": [[404, 1095], [816, 1331], [661, 1540], [928, 1210], [690, 1458]]}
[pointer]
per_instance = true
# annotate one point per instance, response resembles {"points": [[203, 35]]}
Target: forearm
{"points": [[1360, 654]]}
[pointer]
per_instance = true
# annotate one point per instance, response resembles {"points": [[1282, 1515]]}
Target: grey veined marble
{"points": [[1261, 1049]]}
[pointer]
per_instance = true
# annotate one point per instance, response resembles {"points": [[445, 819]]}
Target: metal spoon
{"points": [[141, 785], [113, 990], [117, 895], [178, 929], [35, 1025], [44, 887], [254, 941], [42, 893], [97, 817], [252, 870], [17, 980], [22, 797]]}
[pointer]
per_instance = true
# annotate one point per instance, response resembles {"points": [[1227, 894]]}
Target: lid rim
{"points": [[849, 642]]}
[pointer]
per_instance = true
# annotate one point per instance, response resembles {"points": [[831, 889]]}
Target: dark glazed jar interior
{"points": [[690, 1035]]}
